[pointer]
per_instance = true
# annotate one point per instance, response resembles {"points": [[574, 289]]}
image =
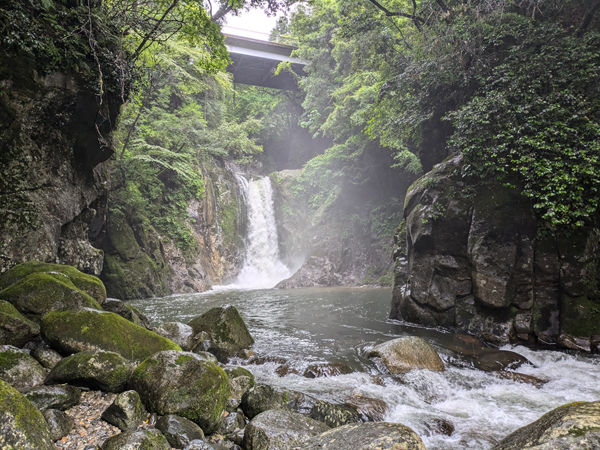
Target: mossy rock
{"points": [[40, 293], [180, 333], [263, 397], [184, 384], [407, 353], [77, 331], [126, 311], [226, 328], [22, 425], [579, 320], [137, 440], [53, 397], [15, 329], [234, 372], [19, 369], [47, 357], [97, 369], [89, 284], [126, 411]]}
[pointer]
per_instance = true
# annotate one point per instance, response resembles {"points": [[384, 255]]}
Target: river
{"points": [[306, 326]]}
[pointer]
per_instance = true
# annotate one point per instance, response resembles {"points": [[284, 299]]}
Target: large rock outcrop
{"points": [[477, 259]]}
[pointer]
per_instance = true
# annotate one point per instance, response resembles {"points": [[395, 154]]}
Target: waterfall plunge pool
{"points": [[307, 326]]}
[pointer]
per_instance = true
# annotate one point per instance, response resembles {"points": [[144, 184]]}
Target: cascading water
{"points": [[262, 267]]}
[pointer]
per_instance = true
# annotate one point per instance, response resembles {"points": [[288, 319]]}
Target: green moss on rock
{"points": [[22, 425], [15, 329], [19, 369], [77, 331], [137, 440]]}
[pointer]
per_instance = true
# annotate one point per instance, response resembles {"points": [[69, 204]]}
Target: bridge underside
{"points": [[255, 63]]}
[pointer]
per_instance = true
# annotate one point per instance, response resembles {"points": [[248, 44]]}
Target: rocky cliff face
{"points": [[477, 260], [53, 170]]}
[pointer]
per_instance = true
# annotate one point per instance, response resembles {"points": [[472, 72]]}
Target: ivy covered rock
{"points": [[180, 333], [22, 425], [97, 369], [227, 331], [77, 331], [280, 430], [126, 411], [59, 423], [88, 284], [179, 431], [15, 329], [184, 384], [367, 436], [53, 397], [572, 426], [126, 311], [38, 294], [151, 439], [407, 353], [19, 369]]}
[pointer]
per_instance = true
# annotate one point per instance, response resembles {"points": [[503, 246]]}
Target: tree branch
{"points": [[149, 35], [221, 13], [587, 19], [388, 13]]}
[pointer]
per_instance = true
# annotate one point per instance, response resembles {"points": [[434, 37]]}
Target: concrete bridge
{"points": [[255, 62]]}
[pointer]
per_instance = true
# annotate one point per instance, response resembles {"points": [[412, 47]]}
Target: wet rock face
{"points": [[280, 430], [407, 353], [19, 369], [576, 425], [474, 261], [263, 397], [367, 436], [126, 311]]}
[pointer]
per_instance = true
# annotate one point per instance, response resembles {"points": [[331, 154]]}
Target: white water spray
{"points": [[262, 268]]}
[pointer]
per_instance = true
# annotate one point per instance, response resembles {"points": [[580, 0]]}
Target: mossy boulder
{"points": [[59, 423], [407, 353], [280, 430], [15, 329], [96, 369], [367, 436], [180, 333], [126, 411], [179, 431], [137, 440], [227, 330], [53, 397], [19, 369], [126, 311], [77, 331], [22, 425], [40, 293], [263, 397], [47, 357], [236, 371], [184, 384], [89, 284]]}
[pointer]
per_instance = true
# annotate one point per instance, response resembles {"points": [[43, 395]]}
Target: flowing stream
{"points": [[296, 328]]}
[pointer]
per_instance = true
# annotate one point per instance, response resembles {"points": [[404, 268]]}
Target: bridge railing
{"points": [[268, 37]]}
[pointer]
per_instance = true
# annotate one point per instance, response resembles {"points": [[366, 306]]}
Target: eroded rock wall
{"points": [[476, 259]]}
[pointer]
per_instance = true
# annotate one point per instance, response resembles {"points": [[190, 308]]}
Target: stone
{"points": [[97, 369], [333, 415], [407, 353], [327, 370], [53, 397], [238, 386], [22, 425], [126, 411], [263, 397], [19, 369], [59, 423], [126, 311], [366, 436], [227, 330], [520, 378], [236, 371], [15, 328], [231, 422], [182, 383], [369, 409], [572, 426], [47, 357], [441, 426], [206, 356], [280, 430], [151, 439], [179, 431], [494, 360], [88, 284], [180, 333], [84, 330], [198, 444], [38, 294]]}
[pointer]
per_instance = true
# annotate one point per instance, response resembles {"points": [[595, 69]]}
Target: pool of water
{"points": [[319, 325]]}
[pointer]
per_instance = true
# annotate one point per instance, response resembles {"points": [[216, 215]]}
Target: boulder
{"points": [[98, 370], [22, 425], [493, 360], [53, 397], [327, 370], [367, 436], [572, 426], [151, 439], [407, 353], [263, 397], [232, 422], [59, 423], [87, 329], [206, 356], [15, 329], [126, 311], [238, 386], [88, 284], [126, 411], [180, 333], [47, 357], [369, 409], [198, 444], [519, 378], [183, 383], [280, 430], [334, 415], [179, 431], [40, 293], [236, 371], [227, 331], [19, 369]]}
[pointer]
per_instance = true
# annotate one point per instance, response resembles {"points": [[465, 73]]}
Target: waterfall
{"points": [[262, 266]]}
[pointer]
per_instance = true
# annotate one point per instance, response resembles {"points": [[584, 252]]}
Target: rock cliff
{"points": [[474, 257]]}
